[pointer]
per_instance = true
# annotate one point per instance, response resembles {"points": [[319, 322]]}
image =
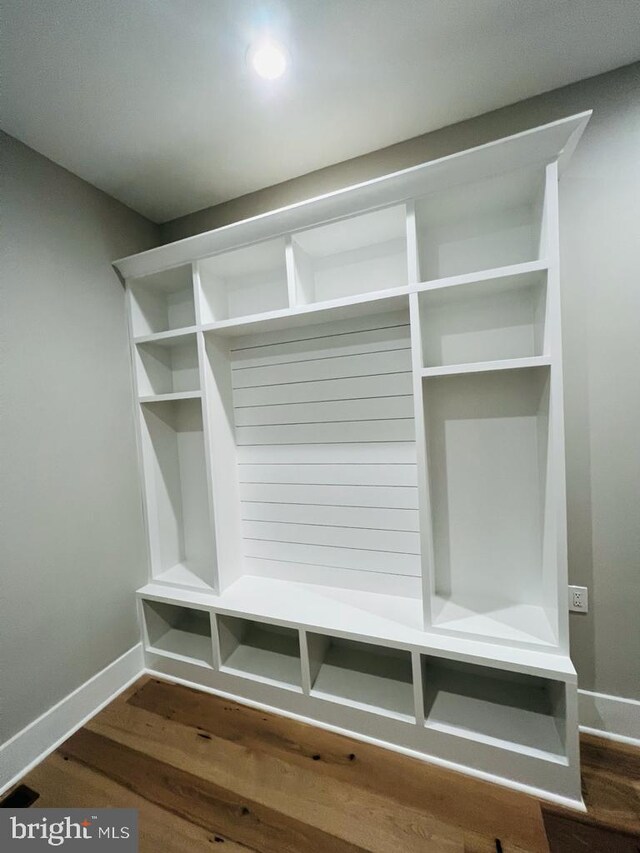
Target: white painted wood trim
{"points": [[45, 734], [607, 716], [612, 717], [537, 145], [410, 753]]}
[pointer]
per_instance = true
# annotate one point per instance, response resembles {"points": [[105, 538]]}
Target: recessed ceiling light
{"points": [[268, 59]]}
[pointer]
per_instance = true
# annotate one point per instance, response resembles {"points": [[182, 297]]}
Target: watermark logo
{"points": [[36, 830]]}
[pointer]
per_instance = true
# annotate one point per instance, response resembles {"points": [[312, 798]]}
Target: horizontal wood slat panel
{"points": [[388, 385], [370, 408], [341, 431], [337, 516], [338, 475], [381, 583], [347, 537], [370, 340], [344, 558], [320, 330], [370, 453], [295, 395], [368, 364], [376, 496]]}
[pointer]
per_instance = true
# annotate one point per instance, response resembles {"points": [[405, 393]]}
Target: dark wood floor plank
{"points": [[395, 777], [68, 784], [596, 753], [197, 800], [570, 834], [301, 793], [204, 771], [612, 799]]}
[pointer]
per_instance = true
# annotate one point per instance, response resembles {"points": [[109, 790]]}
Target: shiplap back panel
{"points": [[326, 453]]}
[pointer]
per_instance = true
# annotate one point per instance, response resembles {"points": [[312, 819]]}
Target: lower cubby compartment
{"points": [[261, 651], [182, 633], [522, 713], [362, 675]]}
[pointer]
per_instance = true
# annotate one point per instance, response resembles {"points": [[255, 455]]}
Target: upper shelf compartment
{"points": [[359, 255], [251, 280], [167, 366], [501, 317], [477, 226], [162, 302]]}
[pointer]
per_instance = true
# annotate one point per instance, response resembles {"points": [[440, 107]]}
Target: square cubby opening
{"points": [[512, 710], [261, 651], [174, 631], [362, 675], [162, 302]]}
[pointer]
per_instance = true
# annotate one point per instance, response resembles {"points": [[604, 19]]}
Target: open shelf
{"points": [[361, 675], [476, 226], [523, 713], [487, 366], [167, 366], [162, 301], [487, 320], [362, 254], [260, 650], [177, 494], [251, 280], [181, 633], [487, 448]]}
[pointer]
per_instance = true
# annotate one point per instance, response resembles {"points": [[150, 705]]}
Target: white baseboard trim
{"points": [[600, 714], [610, 717], [28, 747]]}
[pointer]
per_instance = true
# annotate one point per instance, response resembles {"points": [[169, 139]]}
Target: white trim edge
{"points": [[610, 717], [606, 716], [463, 769], [31, 745]]}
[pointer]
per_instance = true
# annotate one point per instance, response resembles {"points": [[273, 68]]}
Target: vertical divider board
{"points": [[207, 428], [555, 546], [137, 415], [292, 278], [315, 646], [424, 502], [220, 442], [215, 638], [418, 686], [197, 292]]}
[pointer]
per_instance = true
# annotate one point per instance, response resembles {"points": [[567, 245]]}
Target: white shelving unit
{"points": [[351, 435]]}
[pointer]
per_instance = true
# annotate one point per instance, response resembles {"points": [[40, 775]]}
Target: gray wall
{"points": [[73, 548], [600, 212]]}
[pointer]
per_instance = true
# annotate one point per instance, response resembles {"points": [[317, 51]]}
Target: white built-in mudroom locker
{"points": [[351, 444]]}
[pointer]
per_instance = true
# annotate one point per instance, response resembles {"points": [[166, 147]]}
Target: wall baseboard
{"points": [[600, 714], [609, 716], [33, 743]]}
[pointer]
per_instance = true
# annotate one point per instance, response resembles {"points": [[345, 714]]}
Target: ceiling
{"points": [[153, 102]]}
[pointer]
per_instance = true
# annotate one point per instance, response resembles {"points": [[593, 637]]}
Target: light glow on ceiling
{"points": [[268, 59]]}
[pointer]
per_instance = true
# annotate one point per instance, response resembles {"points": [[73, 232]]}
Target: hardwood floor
{"points": [[205, 771]]}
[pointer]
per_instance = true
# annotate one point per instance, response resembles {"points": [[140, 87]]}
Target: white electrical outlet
{"points": [[579, 599]]}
